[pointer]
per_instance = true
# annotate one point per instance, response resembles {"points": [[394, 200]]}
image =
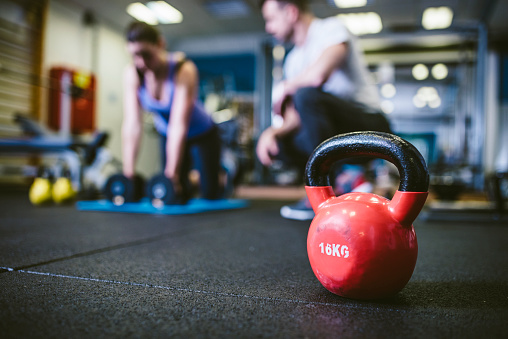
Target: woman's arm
{"points": [[186, 83], [131, 123]]}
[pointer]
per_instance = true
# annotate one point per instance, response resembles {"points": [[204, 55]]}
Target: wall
{"points": [[21, 24], [239, 44], [225, 48], [97, 48], [221, 44], [501, 159]]}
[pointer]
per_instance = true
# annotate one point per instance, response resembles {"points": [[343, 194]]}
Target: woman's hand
{"points": [[175, 180]]}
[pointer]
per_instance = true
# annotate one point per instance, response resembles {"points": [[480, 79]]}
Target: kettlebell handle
{"points": [[414, 176]]}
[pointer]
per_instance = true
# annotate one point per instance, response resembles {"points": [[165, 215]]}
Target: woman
{"points": [[166, 84]]}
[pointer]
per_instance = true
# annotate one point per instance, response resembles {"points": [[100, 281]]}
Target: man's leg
{"points": [[324, 115]]}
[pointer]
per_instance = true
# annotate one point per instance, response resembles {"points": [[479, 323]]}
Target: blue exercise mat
{"points": [[145, 207]]}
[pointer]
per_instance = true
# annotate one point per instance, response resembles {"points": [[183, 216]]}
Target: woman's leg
{"points": [[207, 152]]}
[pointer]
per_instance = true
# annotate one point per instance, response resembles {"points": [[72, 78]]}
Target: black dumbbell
{"points": [[160, 191], [120, 189]]}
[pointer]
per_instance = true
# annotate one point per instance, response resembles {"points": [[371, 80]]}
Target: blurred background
{"points": [[441, 67]]}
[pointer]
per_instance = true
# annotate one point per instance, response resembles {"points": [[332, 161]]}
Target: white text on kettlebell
{"points": [[334, 250]]}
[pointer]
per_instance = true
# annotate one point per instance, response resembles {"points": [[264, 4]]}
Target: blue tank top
{"points": [[200, 121]]}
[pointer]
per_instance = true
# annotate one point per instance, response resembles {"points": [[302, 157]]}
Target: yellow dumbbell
{"points": [[41, 190], [63, 190]]}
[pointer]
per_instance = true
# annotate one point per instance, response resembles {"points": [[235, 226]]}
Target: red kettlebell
{"points": [[361, 245]]}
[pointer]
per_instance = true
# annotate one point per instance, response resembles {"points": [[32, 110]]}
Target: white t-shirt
{"points": [[352, 81]]}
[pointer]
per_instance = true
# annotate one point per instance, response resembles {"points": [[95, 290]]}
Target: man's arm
{"points": [[267, 147], [315, 75], [131, 123]]}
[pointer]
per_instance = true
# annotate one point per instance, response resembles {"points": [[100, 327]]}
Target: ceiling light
{"points": [[165, 13], [427, 96], [350, 3], [362, 23], [436, 103], [420, 72], [387, 106], [142, 13], [437, 17], [439, 71], [388, 91], [419, 103], [155, 12]]}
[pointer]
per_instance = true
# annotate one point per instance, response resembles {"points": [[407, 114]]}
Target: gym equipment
{"points": [[497, 184], [63, 191], [145, 206], [79, 153], [447, 187], [71, 97], [120, 190], [41, 189], [160, 191], [361, 245]]}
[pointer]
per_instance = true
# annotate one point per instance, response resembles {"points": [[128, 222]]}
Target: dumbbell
{"points": [[63, 191], [40, 190], [160, 191], [119, 189]]}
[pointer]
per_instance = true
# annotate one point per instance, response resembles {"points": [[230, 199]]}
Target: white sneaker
{"points": [[298, 211]]}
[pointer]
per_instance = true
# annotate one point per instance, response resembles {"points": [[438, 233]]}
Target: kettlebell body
{"points": [[361, 245]]}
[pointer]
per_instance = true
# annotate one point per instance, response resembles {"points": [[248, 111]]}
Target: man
{"points": [[326, 89]]}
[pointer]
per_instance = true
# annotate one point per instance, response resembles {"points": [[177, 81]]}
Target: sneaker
{"points": [[352, 179], [298, 211], [365, 187]]}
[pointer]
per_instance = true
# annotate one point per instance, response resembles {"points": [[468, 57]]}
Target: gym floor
{"points": [[242, 273]]}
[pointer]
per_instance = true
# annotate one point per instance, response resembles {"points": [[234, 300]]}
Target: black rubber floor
{"points": [[234, 274]]}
